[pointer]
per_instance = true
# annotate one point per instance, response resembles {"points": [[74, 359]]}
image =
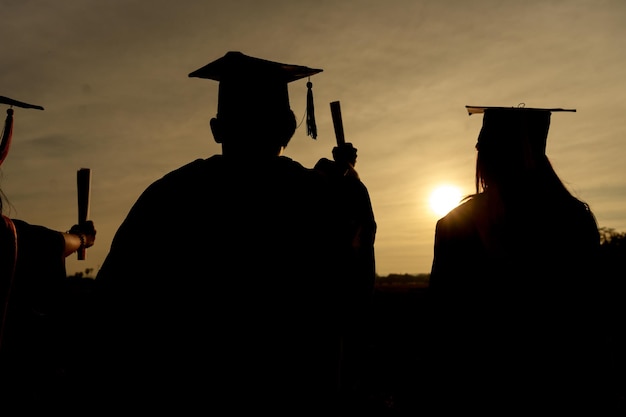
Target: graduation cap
{"points": [[255, 86], [16, 103], [7, 132], [503, 126], [481, 109]]}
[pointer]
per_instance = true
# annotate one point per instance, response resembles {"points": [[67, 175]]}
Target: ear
{"points": [[216, 130], [289, 128]]}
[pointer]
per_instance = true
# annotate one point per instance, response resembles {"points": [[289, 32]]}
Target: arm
{"points": [[344, 154], [79, 236]]}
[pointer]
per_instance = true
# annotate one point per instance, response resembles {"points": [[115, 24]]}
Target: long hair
{"points": [[516, 176], [511, 157]]}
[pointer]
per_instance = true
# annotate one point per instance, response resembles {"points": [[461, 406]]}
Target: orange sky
{"points": [[112, 77]]}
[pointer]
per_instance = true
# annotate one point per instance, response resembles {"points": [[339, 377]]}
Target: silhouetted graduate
{"points": [[220, 288], [517, 320], [33, 333]]}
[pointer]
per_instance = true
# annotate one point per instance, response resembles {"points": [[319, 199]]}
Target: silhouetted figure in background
{"points": [[221, 288], [361, 274], [34, 332], [517, 313]]}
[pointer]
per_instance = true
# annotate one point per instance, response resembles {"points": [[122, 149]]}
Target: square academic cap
{"points": [[7, 131], [254, 86], [503, 125], [16, 103]]}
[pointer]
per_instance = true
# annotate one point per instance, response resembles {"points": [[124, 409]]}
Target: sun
{"points": [[444, 198]]}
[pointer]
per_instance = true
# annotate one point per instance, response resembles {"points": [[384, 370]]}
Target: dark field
{"points": [[397, 339]]}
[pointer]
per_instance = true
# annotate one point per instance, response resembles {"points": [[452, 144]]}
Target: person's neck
{"points": [[247, 152]]}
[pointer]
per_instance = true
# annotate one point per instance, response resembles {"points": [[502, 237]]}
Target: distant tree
{"points": [[611, 238], [613, 256], [405, 281]]}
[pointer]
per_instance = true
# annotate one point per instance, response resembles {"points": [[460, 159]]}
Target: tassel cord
{"points": [[7, 133], [310, 112]]}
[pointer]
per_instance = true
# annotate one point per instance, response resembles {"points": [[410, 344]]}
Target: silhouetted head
{"points": [[511, 145], [253, 111], [7, 130]]}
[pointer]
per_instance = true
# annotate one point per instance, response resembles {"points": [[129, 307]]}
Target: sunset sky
{"points": [[112, 77]]}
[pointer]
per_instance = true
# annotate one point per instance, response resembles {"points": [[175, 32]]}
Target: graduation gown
{"points": [[517, 317], [221, 287], [32, 288]]}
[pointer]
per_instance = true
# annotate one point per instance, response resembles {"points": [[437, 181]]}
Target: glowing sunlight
{"points": [[444, 198]]}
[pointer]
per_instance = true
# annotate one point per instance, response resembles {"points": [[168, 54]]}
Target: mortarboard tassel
{"points": [[5, 141], [311, 128]]}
